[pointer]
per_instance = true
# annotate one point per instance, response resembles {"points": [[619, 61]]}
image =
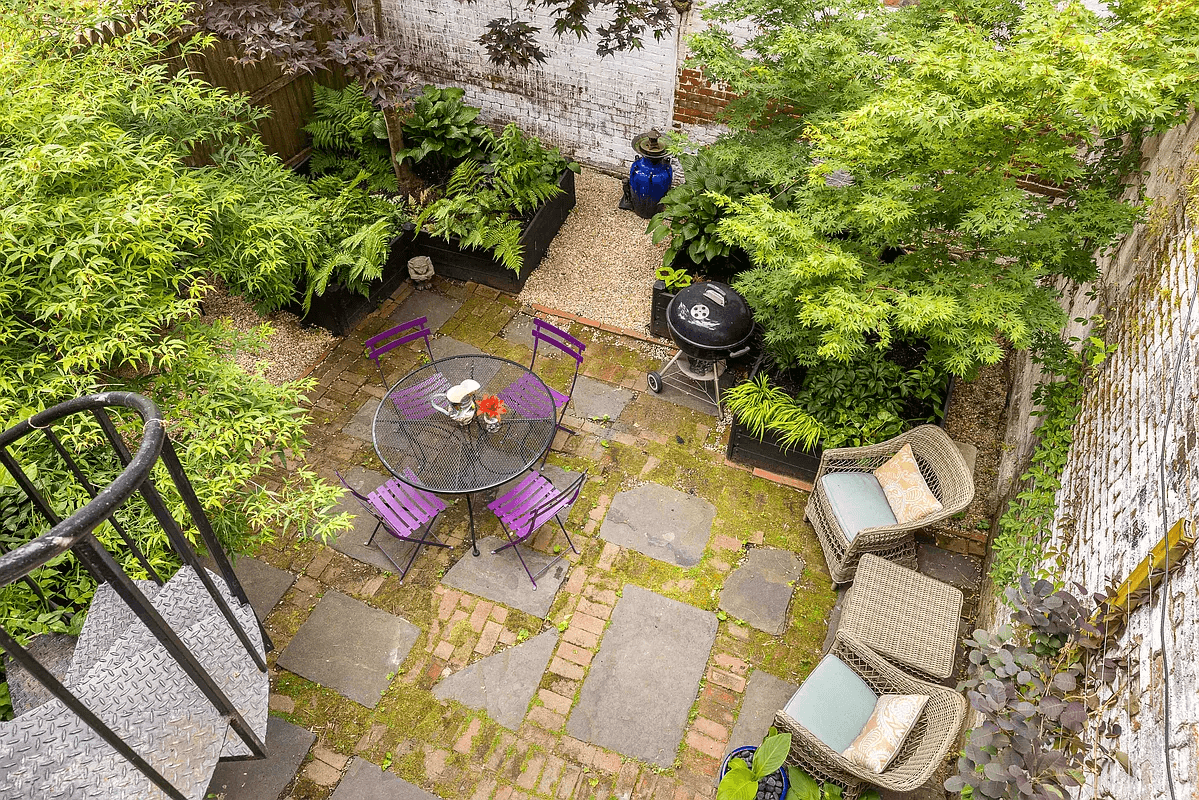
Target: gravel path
{"points": [[290, 348], [601, 264]]}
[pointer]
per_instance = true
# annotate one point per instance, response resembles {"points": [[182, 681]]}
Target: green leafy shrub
{"points": [[111, 237], [349, 136], [442, 131], [934, 122], [484, 204], [842, 405], [692, 209], [675, 279], [358, 232]]}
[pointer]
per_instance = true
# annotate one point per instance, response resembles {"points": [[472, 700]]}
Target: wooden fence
{"points": [[289, 97]]}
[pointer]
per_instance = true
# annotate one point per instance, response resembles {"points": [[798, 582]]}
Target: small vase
{"points": [[490, 424]]}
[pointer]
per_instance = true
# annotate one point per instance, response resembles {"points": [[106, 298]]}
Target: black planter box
{"points": [[450, 261], [658, 309], [766, 453], [339, 310]]}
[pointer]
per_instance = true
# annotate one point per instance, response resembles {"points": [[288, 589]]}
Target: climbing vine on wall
{"points": [[1068, 366]]}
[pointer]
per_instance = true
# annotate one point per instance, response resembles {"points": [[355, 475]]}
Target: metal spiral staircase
{"points": [[166, 677]]}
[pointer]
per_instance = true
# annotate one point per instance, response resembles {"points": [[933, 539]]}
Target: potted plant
{"points": [[756, 773], [668, 284]]}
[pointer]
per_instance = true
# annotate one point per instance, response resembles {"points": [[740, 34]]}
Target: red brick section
{"points": [[696, 100]]}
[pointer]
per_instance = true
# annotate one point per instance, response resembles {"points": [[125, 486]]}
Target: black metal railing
{"points": [[75, 534]]}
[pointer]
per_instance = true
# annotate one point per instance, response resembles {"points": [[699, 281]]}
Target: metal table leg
{"points": [[471, 511]]}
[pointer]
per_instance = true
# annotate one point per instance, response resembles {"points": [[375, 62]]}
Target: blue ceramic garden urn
{"points": [[650, 175]]}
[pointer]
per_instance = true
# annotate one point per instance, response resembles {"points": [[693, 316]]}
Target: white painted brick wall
{"points": [[589, 107], [1110, 507]]}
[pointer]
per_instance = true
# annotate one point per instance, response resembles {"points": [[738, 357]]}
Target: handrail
{"points": [[65, 534], [75, 533]]}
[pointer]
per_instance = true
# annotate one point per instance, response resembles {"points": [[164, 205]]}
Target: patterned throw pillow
{"points": [[904, 486], [883, 734]]}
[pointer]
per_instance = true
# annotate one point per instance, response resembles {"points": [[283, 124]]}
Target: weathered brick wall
{"points": [[1110, 506], [588, 106]]}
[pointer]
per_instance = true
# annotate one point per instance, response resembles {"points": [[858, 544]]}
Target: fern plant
{"points": [[484, 203], [357, 233], [476, 214], [349, 136]]}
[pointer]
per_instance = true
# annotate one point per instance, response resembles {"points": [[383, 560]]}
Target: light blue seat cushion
{"points": [[857, 501], [833, 703]]}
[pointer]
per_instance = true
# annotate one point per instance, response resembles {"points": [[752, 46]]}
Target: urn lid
{"points": [[650, 144]]}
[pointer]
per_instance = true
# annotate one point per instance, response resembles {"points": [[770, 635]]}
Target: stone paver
{"points": [[349, 646], [360, 425], [502, 684], [519, 330], [286, 746], [444, 347], [687, 399], [594, 399], [365, 781], [352, 542], [639, 691], [764, 695], [661, 522], [952, 568], [436, 307], [500, 578], [265, 585], [759, 591]]}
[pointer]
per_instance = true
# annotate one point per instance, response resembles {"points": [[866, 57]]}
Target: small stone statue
{"points": [[420, 270]]}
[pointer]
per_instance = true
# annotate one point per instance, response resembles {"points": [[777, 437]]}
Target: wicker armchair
{"points": [[923, 751], [944, 470]]}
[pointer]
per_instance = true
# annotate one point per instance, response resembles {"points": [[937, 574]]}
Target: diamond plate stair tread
{"points": [[108, 617], [144, 695], [50, 753], [186, 606], [53, 651]]}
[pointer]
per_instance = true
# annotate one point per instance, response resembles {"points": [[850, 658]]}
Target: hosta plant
{"points": [[443, 131]]}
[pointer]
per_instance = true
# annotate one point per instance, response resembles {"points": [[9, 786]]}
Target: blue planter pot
{"points": [[649, 181], [749, 750]]}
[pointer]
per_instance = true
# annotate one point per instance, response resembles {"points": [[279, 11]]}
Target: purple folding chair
{"points": [[525, 508], [524, 395], [404, 511], [389, 340]]}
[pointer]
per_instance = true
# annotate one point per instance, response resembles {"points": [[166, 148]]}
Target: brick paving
{"points": [[457, 752]]}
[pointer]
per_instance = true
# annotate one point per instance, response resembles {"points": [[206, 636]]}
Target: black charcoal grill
{"points": [[711, 324]]}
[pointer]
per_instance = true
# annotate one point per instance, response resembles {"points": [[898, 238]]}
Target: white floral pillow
{"points": [[907, 493], [893, 719]]}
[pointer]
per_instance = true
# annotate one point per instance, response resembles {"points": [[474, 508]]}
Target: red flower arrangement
{"points": [[491, 406]]}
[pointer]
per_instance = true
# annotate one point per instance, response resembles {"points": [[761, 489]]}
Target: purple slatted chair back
{"points": [[416, 402], [402, 511], [403, 333], [530, 504], [545, 332], [534, 502], [556, 337]]}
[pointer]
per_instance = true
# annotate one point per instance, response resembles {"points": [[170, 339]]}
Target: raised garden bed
{"points": [[766, 453], [450, 261], [339, 310]]}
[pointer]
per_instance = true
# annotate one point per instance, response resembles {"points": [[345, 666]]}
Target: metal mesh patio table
{"points": [[427, 449], [904, 616]]}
